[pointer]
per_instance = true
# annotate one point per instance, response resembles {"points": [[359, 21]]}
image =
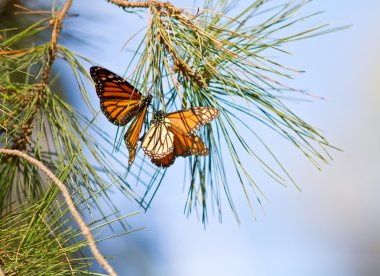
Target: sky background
{"points": [[332, 227]]}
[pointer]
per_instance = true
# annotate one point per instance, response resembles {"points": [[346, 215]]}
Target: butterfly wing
{"points": [[158, 141], [165, 161], [184, 145], [132, 135], [188, 144], [119, 100], [189, 120], [171, 135]]}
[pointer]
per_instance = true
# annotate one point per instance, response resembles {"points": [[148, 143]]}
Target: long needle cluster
{"points": [[202, 57]]}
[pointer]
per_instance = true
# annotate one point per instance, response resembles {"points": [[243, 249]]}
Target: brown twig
{"points": [[70, 204], [54, 39], [147, 4], [28, 11], [127, 4], [16, 53]]}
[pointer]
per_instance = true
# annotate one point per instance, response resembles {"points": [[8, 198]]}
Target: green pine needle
{"points": [[205, 58]]}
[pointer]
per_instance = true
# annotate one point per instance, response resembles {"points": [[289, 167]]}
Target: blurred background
{"points": [[332, 227]]}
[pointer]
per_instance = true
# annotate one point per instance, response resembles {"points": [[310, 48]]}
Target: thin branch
{"points": [[70, 204], [26, 10], [127, 4], [54, 38], [1, 272], [147, 4]]}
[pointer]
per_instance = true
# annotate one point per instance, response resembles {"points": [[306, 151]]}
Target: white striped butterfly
{"points": [[171, 135]]}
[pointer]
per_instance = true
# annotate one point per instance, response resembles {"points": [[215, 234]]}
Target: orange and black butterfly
{"points": [[171, 135], [121, 102]]}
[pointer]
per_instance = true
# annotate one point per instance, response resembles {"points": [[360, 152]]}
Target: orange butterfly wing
{"points": [[165, 161], [189, 120], [119, 100], [132, 135], [184, 145], [188, 144]]}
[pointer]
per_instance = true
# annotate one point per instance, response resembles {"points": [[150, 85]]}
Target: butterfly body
{"points": [[121, 103], [172, 135]]}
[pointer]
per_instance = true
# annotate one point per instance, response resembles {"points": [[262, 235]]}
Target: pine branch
{"points": [[31, 103], [54, 39], [211, 59], [34, 120], [41, 87], [77, 217], [144, 4]]}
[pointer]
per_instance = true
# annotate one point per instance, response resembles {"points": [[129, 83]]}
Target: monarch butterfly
{"points": [[120, 102], [171, 135]]}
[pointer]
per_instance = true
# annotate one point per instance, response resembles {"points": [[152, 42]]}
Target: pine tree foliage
{"points": [[204, 57], [40, 240], [209, 56], [36, 121]]}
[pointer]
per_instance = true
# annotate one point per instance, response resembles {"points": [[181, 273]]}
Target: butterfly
{"points": [[120, 102], [171, 135]]}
